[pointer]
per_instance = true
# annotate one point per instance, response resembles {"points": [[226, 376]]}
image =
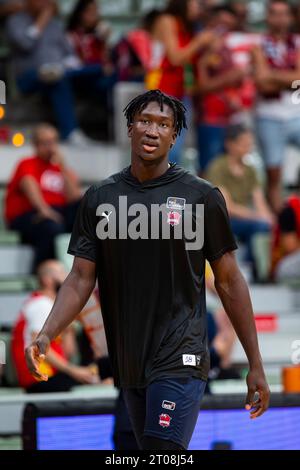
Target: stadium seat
{"points": [[61, 248], [261, 246]]}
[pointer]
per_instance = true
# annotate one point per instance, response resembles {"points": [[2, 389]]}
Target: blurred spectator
{"points": [[8, 7], [62, 374], [132, 55], [93, 345], [89, 34], [41, 58], [224, 93], [277, 65], [42, 195], [174, 49], [241, 11], [89, 37], [221, 335], [286, 249], [296, 17], [241, 189]]}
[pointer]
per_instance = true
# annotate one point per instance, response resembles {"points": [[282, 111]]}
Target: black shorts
{"points": [[166, 409]]}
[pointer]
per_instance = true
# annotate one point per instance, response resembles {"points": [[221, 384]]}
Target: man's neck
{"points": [[145, 171]]}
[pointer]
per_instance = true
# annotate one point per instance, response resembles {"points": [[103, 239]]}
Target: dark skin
{"points": [[152, 134]]}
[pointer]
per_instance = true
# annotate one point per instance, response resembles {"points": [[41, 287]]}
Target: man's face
{"points": [[46, 144], [152, 132], [279, 17]]}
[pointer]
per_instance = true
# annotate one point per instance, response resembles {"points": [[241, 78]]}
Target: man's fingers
{"points": [[260, 405], [250, 398], [257, 412], [33, 362]]}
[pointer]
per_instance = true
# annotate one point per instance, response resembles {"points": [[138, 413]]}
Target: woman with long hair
{"points": [[175, 45]]}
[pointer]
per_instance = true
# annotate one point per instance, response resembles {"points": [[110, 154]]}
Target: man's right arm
{"points": [[70, 300]]}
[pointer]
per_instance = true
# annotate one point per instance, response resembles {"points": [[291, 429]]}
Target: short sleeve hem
{"points": [[79, 254], [222, 252]]}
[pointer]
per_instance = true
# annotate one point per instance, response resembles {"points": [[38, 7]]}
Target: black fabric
{"points": [[123, 435], [287, 220], [153, 443], [152, 291]]}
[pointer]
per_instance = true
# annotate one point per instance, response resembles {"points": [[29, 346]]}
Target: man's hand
{"points": [[35, 354], [257, 384]]}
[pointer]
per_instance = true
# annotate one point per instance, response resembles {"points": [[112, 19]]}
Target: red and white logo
{"points": [[174, 218], [164, 420]]}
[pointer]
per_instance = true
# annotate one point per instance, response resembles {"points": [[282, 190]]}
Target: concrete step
{"points": [[92, 164], [15, 260]]}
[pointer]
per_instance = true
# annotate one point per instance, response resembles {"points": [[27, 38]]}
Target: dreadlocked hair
{"points": [[138, 104]]}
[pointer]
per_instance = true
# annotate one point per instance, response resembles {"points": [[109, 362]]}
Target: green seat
{"points": [[261, 246], [9, 238], [18, 284], [61, 250]]}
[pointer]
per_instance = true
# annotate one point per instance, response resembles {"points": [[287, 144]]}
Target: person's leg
{"points": [[41, 235], [69, 213], [135, 400], [271, 136], [61, 97], [123, 436], [172, 409], [29, 82], [210, 144], [292, 128], [245, 229]]}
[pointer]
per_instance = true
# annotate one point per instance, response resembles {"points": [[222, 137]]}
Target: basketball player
{"points": [[151, 280]]}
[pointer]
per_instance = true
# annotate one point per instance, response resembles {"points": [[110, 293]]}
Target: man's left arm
{"points": [[234, 294]]}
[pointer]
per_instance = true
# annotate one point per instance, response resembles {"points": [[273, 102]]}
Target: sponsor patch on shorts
{"points": [[168, 405], [164, 420]]}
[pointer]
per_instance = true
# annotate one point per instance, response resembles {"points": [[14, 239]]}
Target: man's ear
{"points": [[174, 137], [129, 131]]}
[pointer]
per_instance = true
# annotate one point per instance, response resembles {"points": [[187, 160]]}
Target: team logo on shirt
{"points": [[176, 203], [164, 420], [174, 218], [168, 405]]}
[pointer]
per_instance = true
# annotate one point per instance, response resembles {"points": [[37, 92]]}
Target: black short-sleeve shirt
{"points": [[152, 285]]}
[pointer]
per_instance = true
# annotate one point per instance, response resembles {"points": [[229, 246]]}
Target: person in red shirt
{"points": [[226, 91], [276, 63], [286, 240], [175, 48], [42, 196], [62, 374]]}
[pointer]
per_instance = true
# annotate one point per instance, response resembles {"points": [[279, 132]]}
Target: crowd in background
{"points": [[237, 88], [237, 85]]}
